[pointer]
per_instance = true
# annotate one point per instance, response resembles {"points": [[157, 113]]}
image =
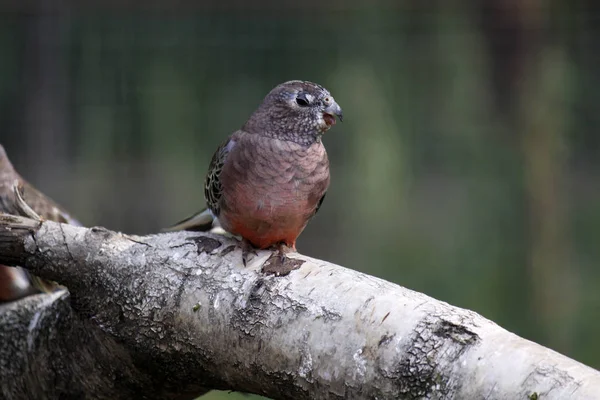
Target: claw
{"points": [[247, 249], [279, 264]]}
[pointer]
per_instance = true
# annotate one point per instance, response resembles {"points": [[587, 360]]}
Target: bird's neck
{"points": [[282, 132]]}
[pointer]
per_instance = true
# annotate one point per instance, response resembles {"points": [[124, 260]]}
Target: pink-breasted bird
{"points": [[268, 179]]}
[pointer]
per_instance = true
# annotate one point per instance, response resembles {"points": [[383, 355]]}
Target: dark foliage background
{"points": [[467, 166]]}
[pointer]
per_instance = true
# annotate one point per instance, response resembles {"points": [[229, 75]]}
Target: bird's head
{"points": [[299, 111]]}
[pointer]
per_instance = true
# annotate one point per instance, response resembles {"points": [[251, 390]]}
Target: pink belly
{"points": [[267, 219]]}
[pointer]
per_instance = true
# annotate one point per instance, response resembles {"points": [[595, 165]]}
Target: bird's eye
{"points": [[301, 100]]}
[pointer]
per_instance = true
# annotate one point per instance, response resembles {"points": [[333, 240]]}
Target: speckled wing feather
{"points": [[213, 190]]}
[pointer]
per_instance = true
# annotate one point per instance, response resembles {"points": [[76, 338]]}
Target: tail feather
{"points": [[201, 221]]}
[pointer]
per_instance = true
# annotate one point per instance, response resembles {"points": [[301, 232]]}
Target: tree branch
{"points": [[171, 315]]}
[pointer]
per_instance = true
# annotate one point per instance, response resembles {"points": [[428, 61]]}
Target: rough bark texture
{"points": [[172, 314]]}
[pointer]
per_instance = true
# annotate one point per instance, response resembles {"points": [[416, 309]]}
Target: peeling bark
{"points": [[176, 314]]}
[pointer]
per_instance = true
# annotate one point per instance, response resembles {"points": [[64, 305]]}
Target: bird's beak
{"points": [[334, 109]]}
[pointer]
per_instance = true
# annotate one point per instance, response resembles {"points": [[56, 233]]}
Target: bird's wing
{"points": [[213, 189], [203, 220]]}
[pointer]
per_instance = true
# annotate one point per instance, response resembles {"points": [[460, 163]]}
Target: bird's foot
{"points": [[247, 249], [279, 264]]}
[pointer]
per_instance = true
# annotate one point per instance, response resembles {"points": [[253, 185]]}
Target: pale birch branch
{"points": [[177, 314]]}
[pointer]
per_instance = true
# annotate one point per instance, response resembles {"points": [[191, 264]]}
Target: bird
{"points": [[269, 178], [16, 282]]}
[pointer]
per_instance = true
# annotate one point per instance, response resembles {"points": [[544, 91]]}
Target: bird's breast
{"points": [[271, 188]]}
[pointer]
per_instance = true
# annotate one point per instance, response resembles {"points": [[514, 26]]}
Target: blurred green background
{"points": [[466, 167]]}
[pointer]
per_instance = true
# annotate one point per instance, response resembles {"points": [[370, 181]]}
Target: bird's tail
{"points": [[201, 221]]}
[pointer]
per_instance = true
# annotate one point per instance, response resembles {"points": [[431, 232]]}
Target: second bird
{"points": [[270, 177]]}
